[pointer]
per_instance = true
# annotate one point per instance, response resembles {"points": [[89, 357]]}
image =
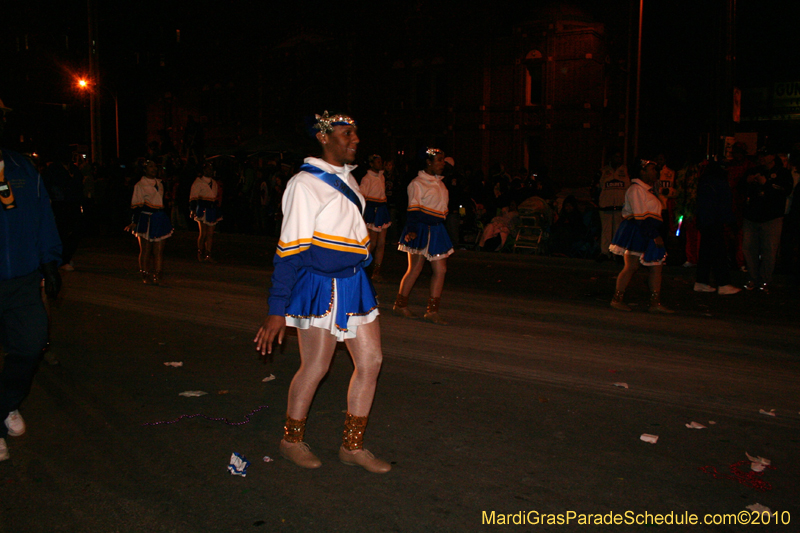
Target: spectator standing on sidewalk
{"points": [[613, 183], [319, 287], [714, 211], [30, 250], [768, 186]]}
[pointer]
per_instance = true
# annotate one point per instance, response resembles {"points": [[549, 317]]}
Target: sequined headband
{"points": [[431, 152], [326, 122], [646, 162]]}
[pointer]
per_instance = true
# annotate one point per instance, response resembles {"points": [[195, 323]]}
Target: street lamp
{"points": [[85, 85]]}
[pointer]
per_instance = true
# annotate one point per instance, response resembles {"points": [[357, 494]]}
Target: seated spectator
{"points": [[496, 232]]}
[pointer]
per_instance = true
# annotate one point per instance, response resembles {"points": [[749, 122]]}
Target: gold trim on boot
{"points": [[401, 307], [617, 303], [353, 435], [292, 446], [432, 312], [655, 304], [146, 277], [294, 430], [157, 277]]}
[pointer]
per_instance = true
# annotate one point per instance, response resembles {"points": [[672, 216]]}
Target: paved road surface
{"points": [[511, 408]]}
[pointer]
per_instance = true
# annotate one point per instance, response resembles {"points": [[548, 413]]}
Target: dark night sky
{"points": [[679, 37]]}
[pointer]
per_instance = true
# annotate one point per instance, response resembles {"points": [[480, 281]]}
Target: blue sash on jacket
{"points": [[334, 181]]}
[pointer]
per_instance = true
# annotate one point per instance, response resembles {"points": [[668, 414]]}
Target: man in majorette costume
{"points": [[376, 213], [319, 287]]}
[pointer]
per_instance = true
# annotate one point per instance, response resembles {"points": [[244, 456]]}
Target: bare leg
{"points": [[415, 264], [158, 254], [201, 236], [209, 238], [654, 278], [437, 280], [365, 349], [144, 251], [381, 236], [373, 239], [316, 351], [630, 268]]}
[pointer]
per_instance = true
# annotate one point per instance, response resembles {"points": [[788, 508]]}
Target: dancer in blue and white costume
{"points": [[203, 199], [376, 213], [639, 239], [320, 288], [425, 236], [150, 224]]}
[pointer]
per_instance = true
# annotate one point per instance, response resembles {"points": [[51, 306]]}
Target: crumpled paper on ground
{"points": [[174, 363], [192, 393], [652, 439], [268, 378], [758, 508], [621, 385], [695, 425], [771, 412], [238, 465], [757, 464]]}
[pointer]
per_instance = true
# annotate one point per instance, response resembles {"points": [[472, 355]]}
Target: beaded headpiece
{"points": [[431, 152], [645, 163], [325, 122]]}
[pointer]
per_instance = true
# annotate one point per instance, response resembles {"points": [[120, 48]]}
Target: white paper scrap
{"points": [[192, 393], [268, 378], [771, 412], [711, 422], [621, 385], [652, 439], [174, 363], [695, 425], [757, 464], [267, 459], [238, 465], [758, 508]]}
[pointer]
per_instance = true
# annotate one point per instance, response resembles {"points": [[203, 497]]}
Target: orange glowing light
{"points": [[82, 83]]}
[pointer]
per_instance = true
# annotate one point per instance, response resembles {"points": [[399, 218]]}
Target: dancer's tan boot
{"points": [[292, 446], [376, 273], [432, 313], [655, 304], [617, 303], [401, 307], [352, 452]]}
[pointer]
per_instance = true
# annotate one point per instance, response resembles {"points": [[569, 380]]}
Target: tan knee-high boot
{"points": [[352, 452], [401, 307], [617, 303], [655, 304], [432, 313]]}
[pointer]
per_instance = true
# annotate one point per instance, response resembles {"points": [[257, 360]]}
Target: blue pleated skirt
{"points": [[431, 241], [153, 226], [629, 239], [208, 215], [338, 305], [376, 216]]}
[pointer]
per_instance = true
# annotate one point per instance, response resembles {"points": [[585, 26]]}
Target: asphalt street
{"points": [[531, 402]]}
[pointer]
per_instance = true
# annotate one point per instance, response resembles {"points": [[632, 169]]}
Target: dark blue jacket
{"points": [[28, 234]]}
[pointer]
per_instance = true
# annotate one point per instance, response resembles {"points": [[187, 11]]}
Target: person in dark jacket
{"points": [[714, 210], [30, 250], [768, 185]]}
